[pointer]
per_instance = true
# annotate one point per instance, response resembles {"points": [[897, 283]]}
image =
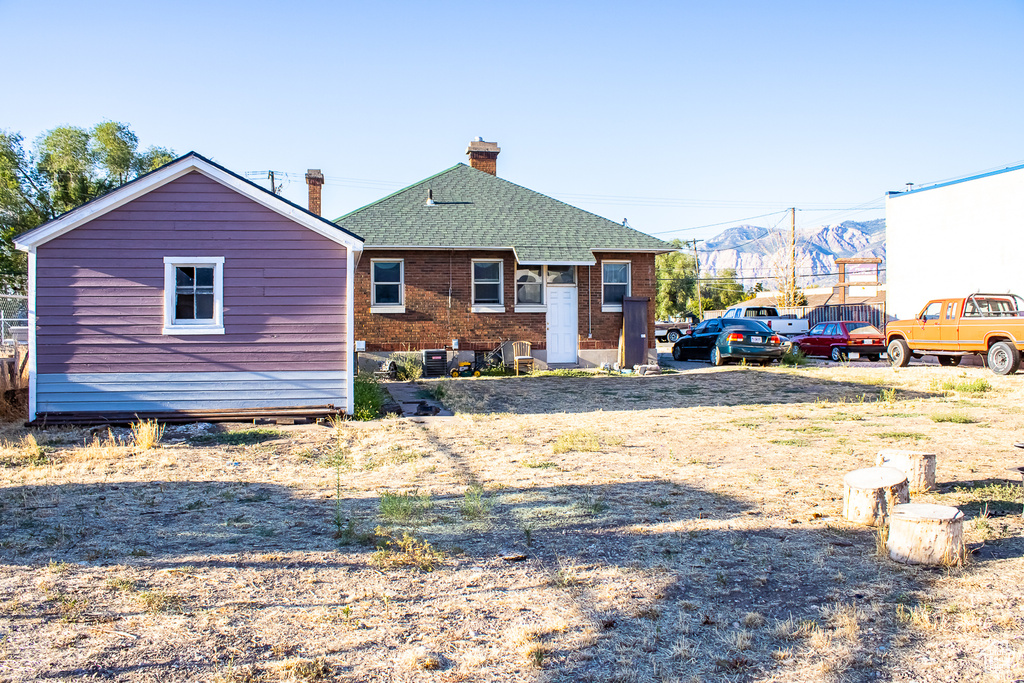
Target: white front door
{"points": [[562, 324]]}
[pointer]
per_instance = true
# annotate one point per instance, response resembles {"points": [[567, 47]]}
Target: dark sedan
{"points": [[720, 341], [842, 340]]}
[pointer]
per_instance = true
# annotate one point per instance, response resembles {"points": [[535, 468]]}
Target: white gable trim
{"points": [[126, 193]]}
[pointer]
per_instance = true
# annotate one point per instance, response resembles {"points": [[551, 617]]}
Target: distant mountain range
{"points": [[764, 254]]}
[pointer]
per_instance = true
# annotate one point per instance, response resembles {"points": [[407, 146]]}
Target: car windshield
{"points": [[746, 324], [862, 328]]}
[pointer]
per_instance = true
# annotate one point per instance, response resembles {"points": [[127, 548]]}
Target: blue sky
{"points": [[674, 115]]}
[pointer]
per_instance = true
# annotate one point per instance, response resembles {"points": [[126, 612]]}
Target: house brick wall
{"points": [[431, 320]]}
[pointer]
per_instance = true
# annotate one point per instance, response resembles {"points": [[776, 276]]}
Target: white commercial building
{"points": [[955, 238]]}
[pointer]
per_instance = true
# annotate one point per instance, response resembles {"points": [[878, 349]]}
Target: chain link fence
{"points": [[13, 318]]}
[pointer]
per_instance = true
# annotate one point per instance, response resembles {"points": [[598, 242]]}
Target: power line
{"points": [[715, 225]]}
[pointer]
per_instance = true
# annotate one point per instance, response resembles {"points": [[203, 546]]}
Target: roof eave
{"points": [[167, 173]]}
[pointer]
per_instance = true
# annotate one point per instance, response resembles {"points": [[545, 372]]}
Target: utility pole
{"points": [[696, 270], [791, 295]]}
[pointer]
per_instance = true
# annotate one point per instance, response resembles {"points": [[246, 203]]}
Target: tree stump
{"points": [[922, 533], [918, 466], [868, 494]]}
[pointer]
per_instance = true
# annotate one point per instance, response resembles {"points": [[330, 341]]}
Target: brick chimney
{"points": [[315, 180], [483, 156]]}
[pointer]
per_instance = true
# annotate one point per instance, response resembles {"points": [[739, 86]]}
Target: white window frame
{"points": [[181, 327], [487, 308], [532, 308], [388, 308], [616, 308]]}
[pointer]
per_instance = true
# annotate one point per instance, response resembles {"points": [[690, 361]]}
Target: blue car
{"points": [[720, 341]]}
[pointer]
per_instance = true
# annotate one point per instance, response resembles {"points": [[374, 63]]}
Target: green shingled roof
{"points": [[475, 210]]}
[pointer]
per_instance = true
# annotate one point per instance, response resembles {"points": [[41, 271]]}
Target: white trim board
{"points": [[166, 174]]}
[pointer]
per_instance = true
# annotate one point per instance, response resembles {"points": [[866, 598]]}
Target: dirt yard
{"points": [[684, 527]]}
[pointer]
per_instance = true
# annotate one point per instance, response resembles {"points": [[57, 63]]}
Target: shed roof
{"points": [[471, 209], [172, 170]]}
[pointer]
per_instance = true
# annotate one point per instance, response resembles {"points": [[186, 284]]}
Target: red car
{"points": [[841, 341]]}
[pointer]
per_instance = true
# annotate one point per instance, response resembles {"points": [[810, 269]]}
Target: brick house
{"points": [[466, 258]]}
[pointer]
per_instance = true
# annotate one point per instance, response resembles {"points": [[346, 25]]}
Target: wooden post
{"points": [[918, 466], [868, 494], [921, 533]]}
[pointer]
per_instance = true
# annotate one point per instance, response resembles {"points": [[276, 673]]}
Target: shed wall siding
{"points": [[161, 391], [100, 289]]}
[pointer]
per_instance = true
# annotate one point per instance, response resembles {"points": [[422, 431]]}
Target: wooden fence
{"points": [[14, 368], [870, 313]]}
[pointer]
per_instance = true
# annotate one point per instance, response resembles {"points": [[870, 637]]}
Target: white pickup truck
{"points": [[783, 324]]}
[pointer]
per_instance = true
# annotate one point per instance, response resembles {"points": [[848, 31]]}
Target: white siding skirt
{"points": [[153, 391]]}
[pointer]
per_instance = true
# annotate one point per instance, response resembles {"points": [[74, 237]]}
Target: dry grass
{"points": [[147, 434], [545, 533]]}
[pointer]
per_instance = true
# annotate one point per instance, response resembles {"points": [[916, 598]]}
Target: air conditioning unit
{"points": [[435, 362]]}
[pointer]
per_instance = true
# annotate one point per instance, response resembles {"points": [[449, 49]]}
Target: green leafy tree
{"points": [[722, 292], [67, 167], [677, 286], [677, 280]]}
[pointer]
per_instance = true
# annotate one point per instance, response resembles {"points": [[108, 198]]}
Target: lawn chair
{"points": [[521, 355]]}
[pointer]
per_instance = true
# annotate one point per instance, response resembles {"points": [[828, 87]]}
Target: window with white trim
{"points": [[387, 286], [193, 295], [614, 284], [530, 286], [487, 286]]}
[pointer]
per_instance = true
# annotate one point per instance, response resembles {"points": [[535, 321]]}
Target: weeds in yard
{"points": [[159, 601], [790, 442], [307, 670], [539, 464], [368, 397], [579, 440], [753, 620], [595, 505], [242, 437], [121, 584], [566, 576], [562, 372], [793, 358], [956, 417], [407, 551], [474, 504], [963, 385], [147, 434], [897, 435], [404, 507], [888, 396]]}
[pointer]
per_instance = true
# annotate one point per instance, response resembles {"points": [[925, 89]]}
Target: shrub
{"points": [[406, 551], [793, 358], [408, 366], [369, 397]]}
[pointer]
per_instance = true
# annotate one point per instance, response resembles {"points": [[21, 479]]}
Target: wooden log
{"points": [[917, 465], [868, 494], [922, 533]]}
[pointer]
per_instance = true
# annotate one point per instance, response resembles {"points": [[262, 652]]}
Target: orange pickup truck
{"points": [[988, 325]]}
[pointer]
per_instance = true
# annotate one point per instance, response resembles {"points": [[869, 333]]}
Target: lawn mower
{"points": [[482, 360]]}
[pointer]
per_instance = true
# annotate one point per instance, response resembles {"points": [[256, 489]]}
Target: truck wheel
{"points": [[1003, 358], [716, 356], [899, 353], [949, 361], [837, 354], [674, 336], [872, 358]]}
